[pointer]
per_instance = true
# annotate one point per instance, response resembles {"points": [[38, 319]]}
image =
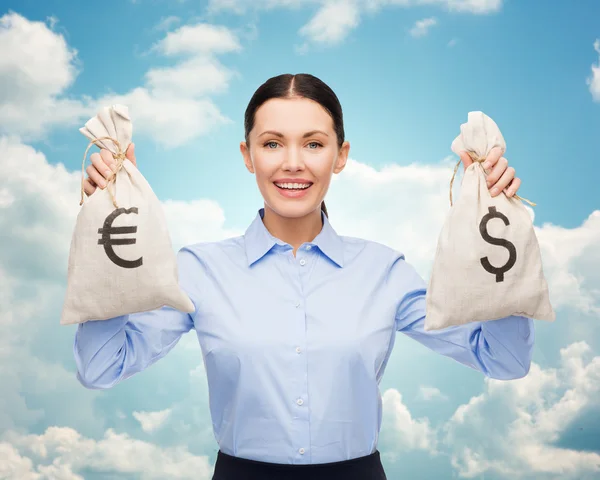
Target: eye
{"points": [[270, 143], [315, 143]]}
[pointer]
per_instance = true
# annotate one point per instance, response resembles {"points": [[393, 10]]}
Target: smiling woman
{"points": [[302, 116], [296, 323]]}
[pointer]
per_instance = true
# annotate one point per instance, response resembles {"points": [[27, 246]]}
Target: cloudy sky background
{"points": [[407, 73]]}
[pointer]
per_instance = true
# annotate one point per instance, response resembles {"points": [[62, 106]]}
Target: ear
{"points": [[246, 155], [342, 157]]}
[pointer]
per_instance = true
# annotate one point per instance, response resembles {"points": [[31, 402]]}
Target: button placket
{"points": [[299, 415]]}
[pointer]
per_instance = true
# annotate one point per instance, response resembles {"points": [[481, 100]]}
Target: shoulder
{"points": [[211, 251], [370, 250], [390, 262]]}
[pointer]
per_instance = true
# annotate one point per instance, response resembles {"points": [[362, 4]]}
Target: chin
{"points": [[293, 209]]}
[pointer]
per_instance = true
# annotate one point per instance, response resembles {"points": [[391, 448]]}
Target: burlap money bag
{"points": [[121, 258], [487, 264]]}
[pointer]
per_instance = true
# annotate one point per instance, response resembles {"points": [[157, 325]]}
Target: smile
{"points": [[293, 186], [293, 190]]}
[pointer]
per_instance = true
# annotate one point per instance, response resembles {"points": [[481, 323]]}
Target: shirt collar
{"points": [[259, 241]]}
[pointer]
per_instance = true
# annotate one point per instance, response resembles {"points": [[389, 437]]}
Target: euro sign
{"points": [[108, 241], [512, 251]]}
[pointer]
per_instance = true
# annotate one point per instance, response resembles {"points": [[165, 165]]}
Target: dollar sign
{"points": [[108, 241], [512, 251]]}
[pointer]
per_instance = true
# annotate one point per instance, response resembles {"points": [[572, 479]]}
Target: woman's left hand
{"points": [[500, 177]]}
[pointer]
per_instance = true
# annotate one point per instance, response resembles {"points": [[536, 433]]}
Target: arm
{"points": [[109, 351], [500, 349]]}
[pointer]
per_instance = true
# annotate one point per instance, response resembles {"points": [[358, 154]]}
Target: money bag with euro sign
{"points": [[488, 263], [121, 259]]}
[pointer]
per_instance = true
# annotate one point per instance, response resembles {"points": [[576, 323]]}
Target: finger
{"points": [[95, 176], [99, 164], [513, 187], [88, 188], [466, 159], [130, 154], [108, 159], [504, 181], [497, 171], [493, 157]]}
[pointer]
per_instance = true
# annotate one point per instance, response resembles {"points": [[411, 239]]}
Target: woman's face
{"points": [[293, 153]]}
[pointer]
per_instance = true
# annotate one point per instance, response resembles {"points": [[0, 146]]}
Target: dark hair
{"points": [[301, 85]]}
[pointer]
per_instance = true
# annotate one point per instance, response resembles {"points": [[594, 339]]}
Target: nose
{"points": [[293, 161]]}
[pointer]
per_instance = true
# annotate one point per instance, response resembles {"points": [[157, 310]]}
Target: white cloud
{"points": [[464, 6], [401, 431], [197, 76], [477, 7], [378, 204], [36, 69], [49, 196], [529, 416], [469, 6], [199, 39], [335, 19], [168, 119], [68, 452], [430, 393], [571, 260], [174, 105], [332, 23], [511, 430], [422, 27], [15, 467], [594, 81], [200, 220], [166, 23], [240, 7], [452, 42], [152, 421]]}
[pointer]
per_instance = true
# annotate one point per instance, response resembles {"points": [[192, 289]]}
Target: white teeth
{"points": [[294, 186]]}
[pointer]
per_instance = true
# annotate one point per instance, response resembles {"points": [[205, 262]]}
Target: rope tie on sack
{"points": [[119, 158]]}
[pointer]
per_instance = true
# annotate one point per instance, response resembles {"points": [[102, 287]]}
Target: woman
{"points": [[296, 323]]}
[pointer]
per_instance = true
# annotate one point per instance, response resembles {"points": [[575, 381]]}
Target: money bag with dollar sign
{"points": [[488, 263], [121, 259]]}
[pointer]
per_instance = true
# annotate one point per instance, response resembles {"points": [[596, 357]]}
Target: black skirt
{"points": [[228, 467]]}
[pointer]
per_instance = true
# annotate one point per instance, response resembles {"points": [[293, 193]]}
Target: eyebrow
{"points": [[281, 135]]}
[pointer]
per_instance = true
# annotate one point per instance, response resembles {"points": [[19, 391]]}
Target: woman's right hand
{"points": [[102, 168]]}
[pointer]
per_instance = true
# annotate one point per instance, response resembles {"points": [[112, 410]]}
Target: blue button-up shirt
{"points": [[294, 347]]}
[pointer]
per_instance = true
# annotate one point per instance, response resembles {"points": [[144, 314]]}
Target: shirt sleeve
{"points": [[109, 351], [501, 349]]}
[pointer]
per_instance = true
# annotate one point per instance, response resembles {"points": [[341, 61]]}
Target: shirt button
{"points": [[301, 451], [298, 350], [299, 401], [297, 305], [308, 247], [302, 262]]}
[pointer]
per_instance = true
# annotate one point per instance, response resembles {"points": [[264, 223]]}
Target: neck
{"points": [[294, 231]]}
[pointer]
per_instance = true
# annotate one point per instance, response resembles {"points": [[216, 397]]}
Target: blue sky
{"points": [[405, 91]]}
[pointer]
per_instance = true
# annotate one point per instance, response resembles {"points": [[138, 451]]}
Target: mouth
{"points": [[293, 187], [293, 190]]}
